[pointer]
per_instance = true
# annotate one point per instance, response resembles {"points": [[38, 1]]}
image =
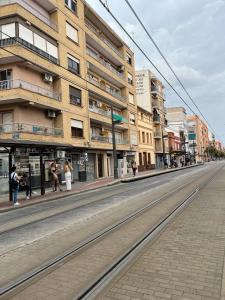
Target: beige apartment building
{"points": [[146, 159], [62, 70], [198, 137]]}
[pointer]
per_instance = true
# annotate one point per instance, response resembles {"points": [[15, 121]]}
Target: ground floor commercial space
{"points": [[35, 161], [146, 160]]}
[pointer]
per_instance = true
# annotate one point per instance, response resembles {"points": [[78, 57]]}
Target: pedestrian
{"points": [[14, 182], [181, 162], [134, 167], [55, 178], [24, 185], [68, 169], [165, 162]]}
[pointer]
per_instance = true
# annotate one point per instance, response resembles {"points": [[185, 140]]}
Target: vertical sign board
{"points": [[143, 90], [192, 136]]}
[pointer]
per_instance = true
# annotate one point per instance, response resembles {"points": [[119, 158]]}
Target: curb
{"points": [[125, 180], [159, 173], [60, 196]]}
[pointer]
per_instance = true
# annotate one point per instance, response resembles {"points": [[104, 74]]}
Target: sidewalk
{"points": [[79, 187]]}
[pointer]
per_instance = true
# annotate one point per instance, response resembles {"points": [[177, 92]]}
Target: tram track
{"points": [[55, 264]]}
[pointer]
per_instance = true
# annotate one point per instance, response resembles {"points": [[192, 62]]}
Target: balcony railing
{"points": [[17, 83], [104, 88], [156, 119], [99, 111], [31, 9], [107, 139], [104, 63], [17, 40], [102, 37], [30, 128], [155, 89], [157, 135]]}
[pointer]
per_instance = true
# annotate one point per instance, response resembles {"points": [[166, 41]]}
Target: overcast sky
{"points": [[191, 35]]}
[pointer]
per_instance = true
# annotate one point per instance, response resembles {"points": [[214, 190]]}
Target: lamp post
{"points": [[115, 162]]}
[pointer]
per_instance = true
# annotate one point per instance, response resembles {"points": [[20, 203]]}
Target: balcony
{"points": [[106, 139], [157, 134], [103, 38], [100, 111], [32, 9], [18, 41], [156, 119], [104, 88], [104, 63], [30, 128], [17, 83]]}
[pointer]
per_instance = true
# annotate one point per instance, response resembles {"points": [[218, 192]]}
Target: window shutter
{"points": [[77, 124], [9, 30]]}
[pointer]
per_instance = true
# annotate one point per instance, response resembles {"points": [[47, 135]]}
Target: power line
{"points": [[166, 61], [146, 56]]}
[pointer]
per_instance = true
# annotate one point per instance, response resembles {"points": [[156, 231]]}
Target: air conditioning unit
{"points": [[60, 154], [48, 78], [51, 114]]}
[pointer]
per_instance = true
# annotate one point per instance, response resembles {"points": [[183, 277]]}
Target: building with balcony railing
{"points": [[46, 52]]}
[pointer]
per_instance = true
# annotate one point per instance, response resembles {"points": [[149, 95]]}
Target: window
{"points": [[8, 31], [73, 64], [140, 159], [133, 138], [143, 137], [76, 128], [40, 42], [75, 96], [26, 34], [128, 58], [147, 137], [6, 120], [130, 78], [52, 49], [72, 5], [132, 118], [72, 32], [131, 98], [149, 158], [150, 139]]}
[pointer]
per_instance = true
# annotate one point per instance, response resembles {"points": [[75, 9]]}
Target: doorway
{"points": [[100, 165]]}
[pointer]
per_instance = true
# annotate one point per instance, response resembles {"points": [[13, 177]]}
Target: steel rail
{"points": [[27, 277]]}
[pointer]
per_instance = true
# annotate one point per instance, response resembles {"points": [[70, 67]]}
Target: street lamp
{"points": [[116, 119]]}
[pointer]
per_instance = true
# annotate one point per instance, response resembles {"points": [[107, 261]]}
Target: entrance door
{"points": [[100, 165], [145, 159]]}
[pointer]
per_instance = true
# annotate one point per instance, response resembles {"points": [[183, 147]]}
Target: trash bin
{"points": [[82, 176]]}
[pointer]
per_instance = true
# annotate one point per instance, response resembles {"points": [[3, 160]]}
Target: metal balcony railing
{"points": [[107, 139], [104, 63], [31, 9], [103, 38], [99, 111], [30, 128], [155, 89], [156, 118], [104, 88], [17, 40], [17, 83]]}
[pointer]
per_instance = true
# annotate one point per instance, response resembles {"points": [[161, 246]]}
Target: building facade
{"points": [[150, 97], [198, 137], [63, 70]]}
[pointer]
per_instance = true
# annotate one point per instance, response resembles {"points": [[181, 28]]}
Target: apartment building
{"points": [[63, 71], [198, 137], [146, 159]]}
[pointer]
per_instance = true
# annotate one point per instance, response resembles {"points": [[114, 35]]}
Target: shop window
{"points": [[131, 98], [75, 96], [72, 32], [132, 119], [72, 5], [76, 128], [73, 64], [130, 78], [140, 159]]}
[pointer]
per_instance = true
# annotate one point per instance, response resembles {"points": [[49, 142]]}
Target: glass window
{"points": [[75, 96], [133, 138], [72, 32], [131, 98], [40, 42], [26, 34], [73, 64], [8, 31], [143, 137], [130, 78], [132, 118], [76, 128], [72, 5], [129, 58], [52, 50]]}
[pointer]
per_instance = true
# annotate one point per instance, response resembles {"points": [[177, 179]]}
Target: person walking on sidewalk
{"points": [[24, 185], [68, 169], [15, 179], [134, 167]]}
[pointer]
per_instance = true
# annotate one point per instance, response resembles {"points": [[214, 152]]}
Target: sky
{"points": [[190, 33]]}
